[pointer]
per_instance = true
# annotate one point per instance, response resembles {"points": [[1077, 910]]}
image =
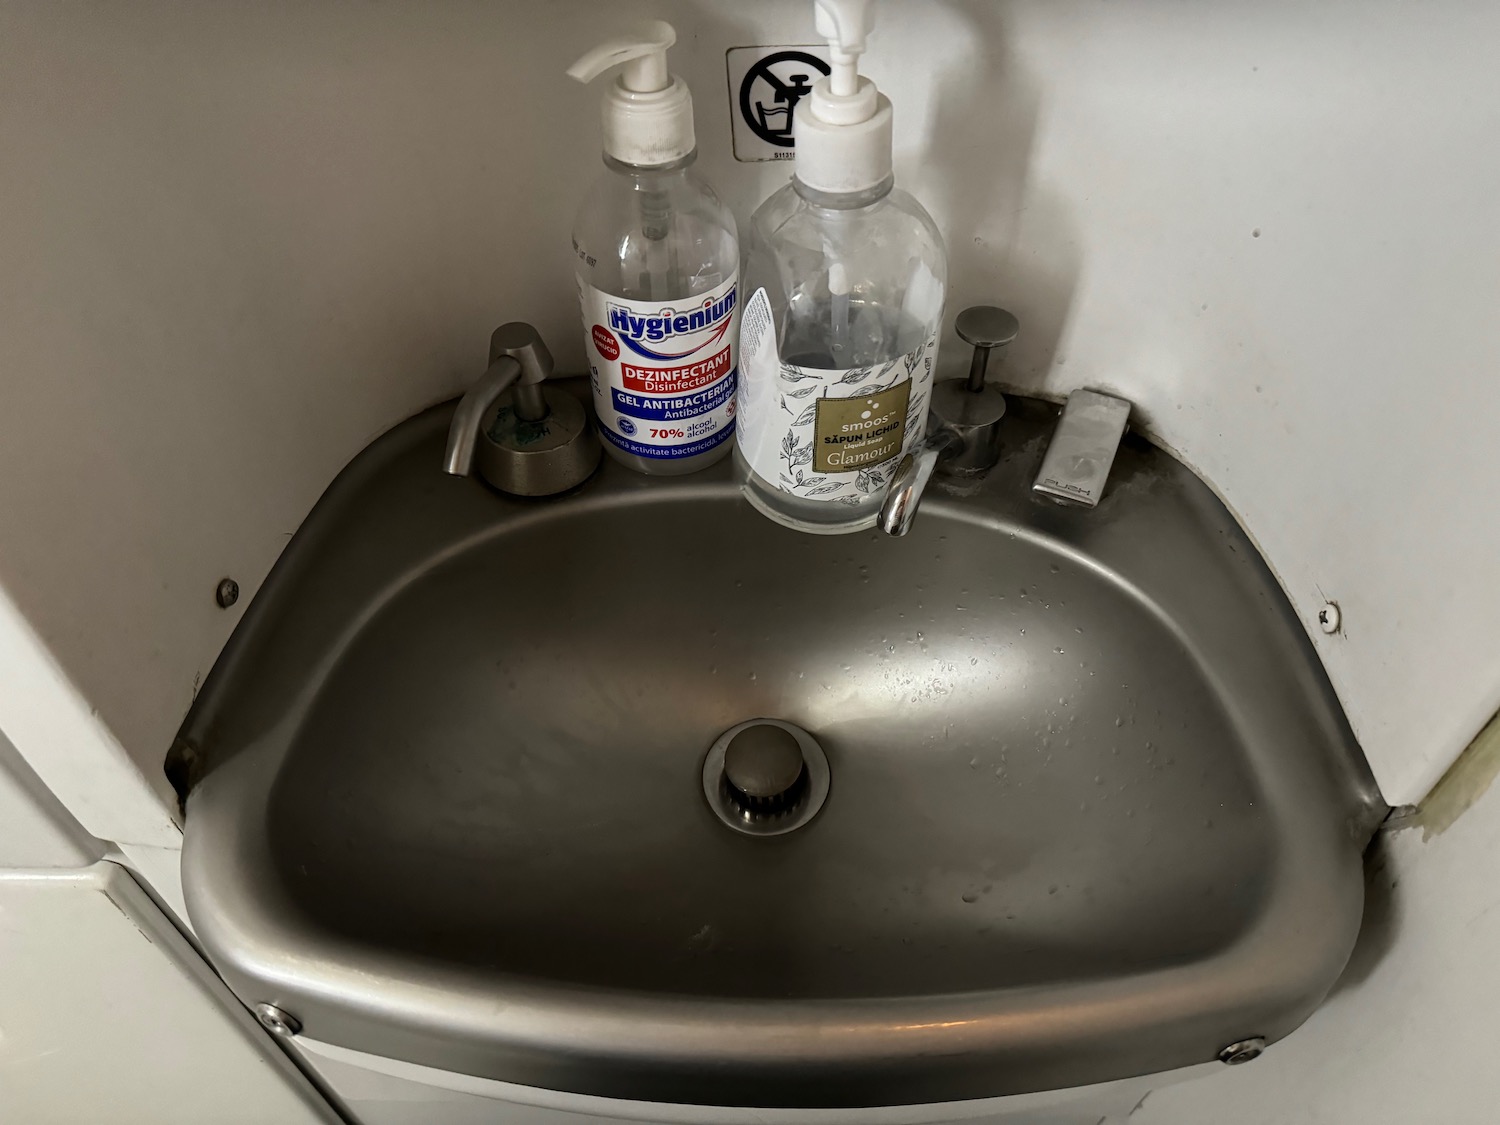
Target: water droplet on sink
{"points": [[971, 896], [1119, 722], [1052, 890], [1058, 650], [973, 660], [973, 763], [752, 675], [1054, 568], [1023, 632], [999, 771]]}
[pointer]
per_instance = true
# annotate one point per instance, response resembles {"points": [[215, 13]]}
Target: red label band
{"points": [[675, 380]]}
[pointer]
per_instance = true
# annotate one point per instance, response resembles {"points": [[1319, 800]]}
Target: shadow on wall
{"points": [[1011, 241]]}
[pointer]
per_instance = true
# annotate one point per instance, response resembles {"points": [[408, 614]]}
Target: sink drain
{"points": [[765, 777]]}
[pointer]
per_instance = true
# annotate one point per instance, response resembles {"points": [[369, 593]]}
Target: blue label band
{"points": [[691, 449], [677, 408]]}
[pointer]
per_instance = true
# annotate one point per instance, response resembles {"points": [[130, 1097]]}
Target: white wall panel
{"points": [[240, 240]]}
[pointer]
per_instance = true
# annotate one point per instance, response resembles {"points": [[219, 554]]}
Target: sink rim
{"points": [[775, 1052]]}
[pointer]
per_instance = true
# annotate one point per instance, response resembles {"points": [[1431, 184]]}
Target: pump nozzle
{"points": [[845, 24], [648, 113], [842, 129], [646, 53]]}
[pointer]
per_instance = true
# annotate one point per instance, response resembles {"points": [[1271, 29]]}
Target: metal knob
{"points": [[763, 768], [986, 327]]}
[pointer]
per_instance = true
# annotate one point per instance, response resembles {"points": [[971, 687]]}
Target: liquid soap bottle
{"points": [[845, 276]]}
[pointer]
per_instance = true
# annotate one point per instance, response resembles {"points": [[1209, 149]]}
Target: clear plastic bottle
{"points": [[660, 236], [854, 283], [845, 277], [657, 261]]}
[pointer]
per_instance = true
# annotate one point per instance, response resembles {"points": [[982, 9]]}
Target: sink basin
{"points": [[1093, 811]]}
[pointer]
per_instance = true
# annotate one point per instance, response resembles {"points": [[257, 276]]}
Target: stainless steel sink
{"points": [[1092, 809]]}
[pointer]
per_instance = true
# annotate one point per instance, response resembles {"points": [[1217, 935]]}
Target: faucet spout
{"points": [[966, 413], [910, 480], [463, 431], [516, 353]]}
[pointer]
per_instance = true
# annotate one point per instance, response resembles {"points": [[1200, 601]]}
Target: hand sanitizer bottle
{"points": [[846, 277], [657, 268]]}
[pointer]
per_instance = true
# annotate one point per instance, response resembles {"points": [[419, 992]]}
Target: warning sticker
{"points": [[765, 85]]}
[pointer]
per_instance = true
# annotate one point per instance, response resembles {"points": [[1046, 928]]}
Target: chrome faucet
{"points": [[537, 443], [516, 354], [963, 438]]}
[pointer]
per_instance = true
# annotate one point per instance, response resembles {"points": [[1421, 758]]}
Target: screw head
{"points": [[277, 1022], [1330, 620], [227, 592], [1243, 1051]]}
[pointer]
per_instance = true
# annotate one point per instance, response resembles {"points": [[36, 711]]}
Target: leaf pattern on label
{"points": [[790, 373], [799, 384], [917, 407]]}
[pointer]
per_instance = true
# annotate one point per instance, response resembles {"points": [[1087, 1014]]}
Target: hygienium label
{"points": [[823, 434], [663, 372]]}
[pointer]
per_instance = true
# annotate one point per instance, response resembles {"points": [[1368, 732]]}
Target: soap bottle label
{"points": [[821, 433], [663, 372]]}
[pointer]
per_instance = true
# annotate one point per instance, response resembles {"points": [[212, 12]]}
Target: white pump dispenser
{"points": [[842, 129], [648, 113]]}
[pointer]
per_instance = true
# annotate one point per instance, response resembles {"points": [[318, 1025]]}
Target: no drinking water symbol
{"points": [[771, 90]]}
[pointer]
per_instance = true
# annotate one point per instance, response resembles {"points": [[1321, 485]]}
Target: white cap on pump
{"points": [[648, 113], [842, 129]]}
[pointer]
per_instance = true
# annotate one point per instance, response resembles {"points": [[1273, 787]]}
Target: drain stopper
{"points": [[764, 770]]}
